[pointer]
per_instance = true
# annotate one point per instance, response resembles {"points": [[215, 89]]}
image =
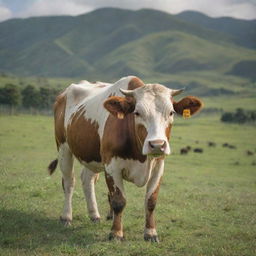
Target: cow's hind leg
{"points": [[66, 161], [88, 182]]}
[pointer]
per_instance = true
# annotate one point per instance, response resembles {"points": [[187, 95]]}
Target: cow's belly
{"points": [[131, 170], [94, 166]]}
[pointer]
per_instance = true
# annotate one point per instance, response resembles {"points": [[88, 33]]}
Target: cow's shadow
{"points": [[20, 230]]}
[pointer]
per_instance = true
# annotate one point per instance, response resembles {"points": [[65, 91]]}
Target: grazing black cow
{"points": [[211, 144], [188, 148], [249, 153], [198, 150], [183, 151], [227, 145]]}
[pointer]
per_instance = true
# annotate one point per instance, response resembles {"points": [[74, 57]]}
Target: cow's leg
{"points": [[68, 182], [110, 213], [88, 182], [153, 185], [117, 202]]}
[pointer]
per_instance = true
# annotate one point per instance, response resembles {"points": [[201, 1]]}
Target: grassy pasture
{"points": [[206, 206]]}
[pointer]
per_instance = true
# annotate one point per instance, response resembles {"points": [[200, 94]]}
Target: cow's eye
{"points": [[172, 112], [136, 113]]}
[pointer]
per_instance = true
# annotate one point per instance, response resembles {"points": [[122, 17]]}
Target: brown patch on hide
{"points": [[117, 204], [83, 138], [122, 139], [168, 132], [59, 114], [101, 86], [141, 134]]}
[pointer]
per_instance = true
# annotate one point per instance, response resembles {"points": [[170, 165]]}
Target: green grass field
{"points": [[206, 206]]}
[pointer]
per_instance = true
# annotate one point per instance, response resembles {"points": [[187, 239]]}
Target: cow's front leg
{"points": [[110, 213], [117, 203], [153, 186]]}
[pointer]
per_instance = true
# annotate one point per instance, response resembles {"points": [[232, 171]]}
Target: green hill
{"points": [[109, 43], [171, 52], [242, 31]]}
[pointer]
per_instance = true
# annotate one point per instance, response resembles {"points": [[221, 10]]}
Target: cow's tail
{"points": [[52, 166]]}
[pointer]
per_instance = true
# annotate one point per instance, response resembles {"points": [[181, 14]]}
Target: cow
{"points": [[122, 129], [231, 146], [198, 150], [188, 148], [249, 153], [184, 151], [211, 144]]}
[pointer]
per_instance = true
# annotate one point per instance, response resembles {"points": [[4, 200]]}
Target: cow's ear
{"points": [[190, 102], [119, 106]]}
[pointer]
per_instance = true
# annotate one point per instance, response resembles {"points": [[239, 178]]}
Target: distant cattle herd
{"points": [[187, 149]]}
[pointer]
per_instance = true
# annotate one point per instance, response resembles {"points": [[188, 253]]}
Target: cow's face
{"points": [[153, 108]]}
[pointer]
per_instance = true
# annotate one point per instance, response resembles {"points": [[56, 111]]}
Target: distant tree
{"points": [[2, 96], [54, 93], [241, 116], [45, 97], [30, 97], [253, 116], [227, 117], [10, 95]]}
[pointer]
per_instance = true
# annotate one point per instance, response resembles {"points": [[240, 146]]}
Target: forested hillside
{"points": [[110, 43]]}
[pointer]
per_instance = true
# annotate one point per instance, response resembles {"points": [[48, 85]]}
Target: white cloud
{"points": [[231, 8], [240, 10], [5, 13], [244, 9], [55, 7]]}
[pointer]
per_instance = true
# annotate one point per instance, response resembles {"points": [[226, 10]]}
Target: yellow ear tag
{"points": [[186, 113], [120, 115]]}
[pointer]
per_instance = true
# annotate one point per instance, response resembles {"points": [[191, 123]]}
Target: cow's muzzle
{"points": [[157, 147]]}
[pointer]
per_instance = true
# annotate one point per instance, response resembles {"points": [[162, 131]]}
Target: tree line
{"points": [[28, 97], [240, 116]]}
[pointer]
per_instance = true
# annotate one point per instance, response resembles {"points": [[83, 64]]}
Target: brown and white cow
{"points": [[122, 129]]}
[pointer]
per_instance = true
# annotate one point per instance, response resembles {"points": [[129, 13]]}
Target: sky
{"points": [[241, 9]]}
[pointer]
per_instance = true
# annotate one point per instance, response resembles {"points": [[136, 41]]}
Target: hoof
{"points": [[112, 236], [153, 239], [65, 222], [95, 219]]}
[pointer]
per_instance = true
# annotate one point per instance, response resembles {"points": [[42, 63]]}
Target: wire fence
{"points": [[17, 110]]}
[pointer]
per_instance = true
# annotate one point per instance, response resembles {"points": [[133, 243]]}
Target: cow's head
{"points": [[153, 108]]}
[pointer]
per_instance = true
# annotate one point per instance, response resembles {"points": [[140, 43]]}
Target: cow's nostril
{"points": [[163, 145], [157, 144], [151, 145]]}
